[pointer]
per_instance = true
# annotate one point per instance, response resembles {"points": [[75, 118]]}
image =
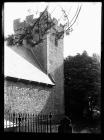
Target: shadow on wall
{"points": [[55, 102], [27, 97], [29, 55]]}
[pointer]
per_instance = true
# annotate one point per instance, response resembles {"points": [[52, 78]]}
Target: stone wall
{"points": [[22, 97], [55, 69]]}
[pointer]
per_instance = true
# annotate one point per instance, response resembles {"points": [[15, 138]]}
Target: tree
{"points": [[82, 84]]}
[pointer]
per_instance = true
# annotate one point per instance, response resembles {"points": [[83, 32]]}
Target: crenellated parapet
{"points": [[39, 26]]}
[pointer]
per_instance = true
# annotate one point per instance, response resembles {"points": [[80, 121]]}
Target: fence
{"points": [[29, 123]]}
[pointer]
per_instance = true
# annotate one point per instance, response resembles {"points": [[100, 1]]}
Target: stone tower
{"points": [[48, 57]]}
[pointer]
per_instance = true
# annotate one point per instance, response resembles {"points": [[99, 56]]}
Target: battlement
{"points": [[19, 26], [43, 22]]}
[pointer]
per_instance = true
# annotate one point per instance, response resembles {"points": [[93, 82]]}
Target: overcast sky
{"points": [[86, 34]]}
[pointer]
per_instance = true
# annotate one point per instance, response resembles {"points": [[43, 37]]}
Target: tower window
{"points": [[56, 41]]}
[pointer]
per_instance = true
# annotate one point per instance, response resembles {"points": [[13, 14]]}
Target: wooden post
{"points": [[13, 115], [50, 116], [28, 122], [19, 122], [25, 122], [36, 122], [47, 123]]}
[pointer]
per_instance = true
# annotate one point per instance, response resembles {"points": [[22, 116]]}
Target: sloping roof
{"points": [[16, 66], [28, 55]]}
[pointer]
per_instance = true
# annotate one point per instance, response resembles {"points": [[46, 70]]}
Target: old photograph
{"points": [[52, 67]]}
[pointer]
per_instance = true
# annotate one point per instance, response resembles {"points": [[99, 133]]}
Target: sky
{"points": [[86, 34]]}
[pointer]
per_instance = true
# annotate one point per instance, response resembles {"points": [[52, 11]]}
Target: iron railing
{"points": [[29, 123]]}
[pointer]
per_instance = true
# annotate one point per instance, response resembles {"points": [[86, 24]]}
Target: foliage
{"points": [[41, 25], [38, 27], [17, 38], [82, 83], [10, 40]]}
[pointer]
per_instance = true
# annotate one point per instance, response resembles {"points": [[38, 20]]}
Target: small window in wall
{"points": [[56, 41]]}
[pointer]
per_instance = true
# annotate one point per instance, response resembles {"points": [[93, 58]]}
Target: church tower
{"points": [[48, 57]]}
